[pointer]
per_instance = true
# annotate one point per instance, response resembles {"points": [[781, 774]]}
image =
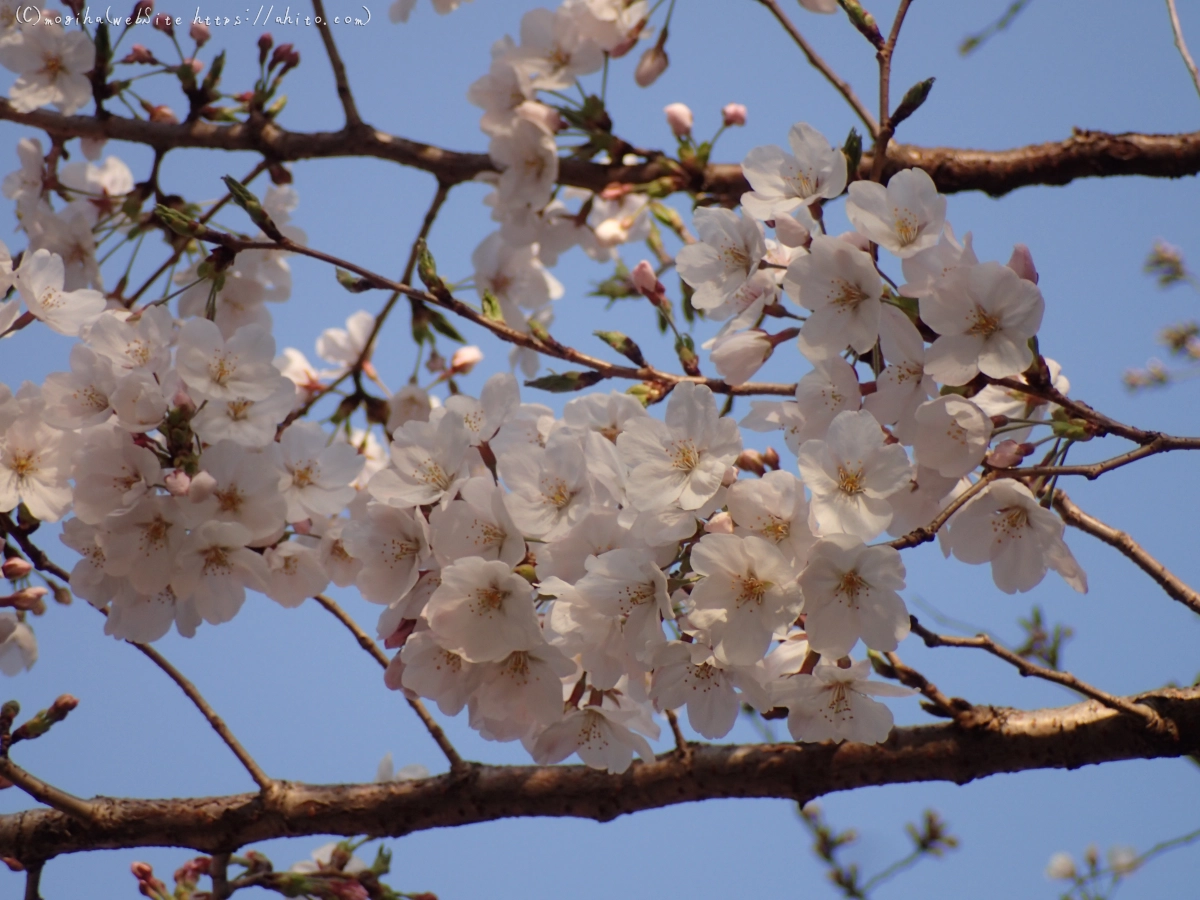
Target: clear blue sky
{"points": [[311, 706]]}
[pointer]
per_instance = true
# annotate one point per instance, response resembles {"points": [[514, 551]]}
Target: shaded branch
{"points": [[364, 640], [1151, 719], [353, 119], [1083, 155], [1175, 587], [67, 804], [40, 560], [999, 740]]}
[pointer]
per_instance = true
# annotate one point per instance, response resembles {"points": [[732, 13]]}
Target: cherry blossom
{"points": [[35, 463], [839, 284], [53, 66], [905, 218], [787, 182], [1004, 525], [598, 735], [850, 593], [392, 544], [219, 369], [482, 611], [726, 256], [18, 646], [851, 474], [40, 281], [952, 435], [834, 704], [985, 315], [215, 567]]}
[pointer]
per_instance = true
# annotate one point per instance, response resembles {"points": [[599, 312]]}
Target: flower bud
{"points": [[15, 568], [679, 118], [733, 114], [721, 523], [644, 279], [1021, 262], [730, 477], [178, 483], [139, 54], [265, 43], [196, 64], [771, 458], [200, 33], [1007, 454], [464, 360], [164, 23], [142, 10], [30, 599], [201, 487], [652, 64], [751, 461], [738, 356]]}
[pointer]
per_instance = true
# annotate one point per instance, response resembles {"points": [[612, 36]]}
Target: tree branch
{"points": [[68, 804], [997, 740], [1085, 154], [1175, 587], [353, 119], [1151, 719], [364, 640], [1181, 44]]}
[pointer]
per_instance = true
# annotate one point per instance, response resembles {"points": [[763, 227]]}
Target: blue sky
{"points": [[311, 706]]}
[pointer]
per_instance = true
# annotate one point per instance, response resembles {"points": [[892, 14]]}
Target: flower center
{"points": [[216, 561], [850, 585], [753, 589], [24, 464], [907, 227], [850, 481], [983, 324], [848, 294], [684, 455], [838, 703], [229, 500]]}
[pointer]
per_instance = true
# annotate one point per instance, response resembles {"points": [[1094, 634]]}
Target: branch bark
{"points": [[987, 741], [1083, 155]]}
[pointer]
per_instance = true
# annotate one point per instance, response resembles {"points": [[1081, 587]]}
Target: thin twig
{"points": [[1153, 720], [886, 127], [353, 120], [1162, 443], [1175, 587], [681, 743], [76, 807], [927, 533], [264, 782], [40, 560], [949, 707], [823, 67], [548, 347], [218, 870], [1181, 45], [33, 878], [364, 641]]}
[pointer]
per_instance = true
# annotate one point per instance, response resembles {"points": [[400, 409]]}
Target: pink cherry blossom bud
{"points": [[1006, 454], [139, 54], [15, 568], [643, 277], [652, 64], [28, 599], [183, 400], [679, 117], [142, 10], [304, 526], [178, 483], [729, 477], [630, 41], [771, 458], [1021, 262], [164, 24], [75, 6], [200, 33], [92, 147], [733, 114], [854, 239], [543, 116], [464, 360], [202, 487], [161, 113], [721, 523]]}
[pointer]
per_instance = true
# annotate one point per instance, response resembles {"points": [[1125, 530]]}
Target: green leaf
{"points": [[491, 307], [566, 382], [443, 327], [623, 345], [427, 269], [243, 197], [912, 101], [852, 150]]}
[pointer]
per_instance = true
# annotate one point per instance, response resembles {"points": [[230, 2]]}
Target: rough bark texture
{"points": [[986, 741], [1084, 154]]}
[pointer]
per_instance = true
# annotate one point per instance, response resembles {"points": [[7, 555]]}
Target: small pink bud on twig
{"points": [[200, 33], [733, 114], [15, 568], [679, 118], [1021, 262], [163, 23], [652, 64], [721, 523], [464, 360], [178, 483]]}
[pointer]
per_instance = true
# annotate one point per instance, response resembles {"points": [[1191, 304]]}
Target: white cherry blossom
{"points": [[838, 282], [785, 182], [218, 369], [850, 593], [392, 545], [53, 66], [1004, 525], [834, 704], [317, 474], [952, 435], [477, 524], [905, 218], [773, 508], [214, 569], [851, 474], [985, 316], [726, 256], [600, 737], [482, 611], [443, 676], [40, 280], [428, 464], [35, 463]]}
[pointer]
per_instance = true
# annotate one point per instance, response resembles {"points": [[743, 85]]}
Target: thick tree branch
{"points": [[987, 742], [1084, 154], [1175, 587]]}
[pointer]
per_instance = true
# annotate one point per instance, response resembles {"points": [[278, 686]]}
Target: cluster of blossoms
{"points": [[561, 578]]}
